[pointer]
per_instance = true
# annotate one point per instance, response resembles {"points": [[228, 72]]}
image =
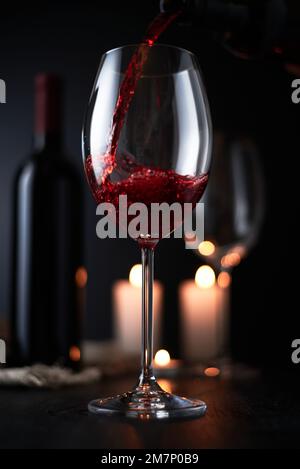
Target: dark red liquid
{"points": [[148, 186]]}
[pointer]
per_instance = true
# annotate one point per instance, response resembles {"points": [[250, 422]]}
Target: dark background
{"points": [[253, 97]]}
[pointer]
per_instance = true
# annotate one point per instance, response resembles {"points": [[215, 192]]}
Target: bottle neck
{"points": [[48, 113], [48, 141]]}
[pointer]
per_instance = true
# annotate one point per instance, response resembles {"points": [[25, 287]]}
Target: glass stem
{"points": [[147, 378]]}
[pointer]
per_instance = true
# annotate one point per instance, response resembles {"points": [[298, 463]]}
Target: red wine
{"points": [[147, 185], [47, 243]]}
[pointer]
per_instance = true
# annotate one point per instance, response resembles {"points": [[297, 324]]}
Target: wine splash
{"points": [[148, 185], [143, 184]]}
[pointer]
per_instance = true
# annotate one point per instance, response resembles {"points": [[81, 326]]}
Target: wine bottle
{"points": [[247, 28], [47, 242]]}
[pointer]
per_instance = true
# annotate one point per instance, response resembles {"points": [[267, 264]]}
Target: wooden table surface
{"points": [[252, 413]]}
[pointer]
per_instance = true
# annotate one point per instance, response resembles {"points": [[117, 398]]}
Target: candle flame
{"points": [[74, 353], [162, 358], [212, 372], [224, 279], [205, 277], [135, 275], [81, 277], [231, 259], [206, 248]]}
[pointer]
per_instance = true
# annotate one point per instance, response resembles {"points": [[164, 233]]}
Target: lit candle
{"points": [[203, 315], [127, 301]]}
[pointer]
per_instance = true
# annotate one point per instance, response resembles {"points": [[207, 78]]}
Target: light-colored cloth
{"points": [[43, 376]]}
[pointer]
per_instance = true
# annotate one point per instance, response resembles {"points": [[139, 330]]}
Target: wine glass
{"points": [[234, 210], [234, 203], [162, 155]]}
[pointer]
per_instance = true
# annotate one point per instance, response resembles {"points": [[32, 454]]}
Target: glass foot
{"points": [[147, 403]]}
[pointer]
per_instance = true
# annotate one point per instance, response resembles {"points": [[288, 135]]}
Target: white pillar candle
{"points": [[127, 304], [203, 327]]}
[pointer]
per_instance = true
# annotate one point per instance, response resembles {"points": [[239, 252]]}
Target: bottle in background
{"points": [[47, 242]]}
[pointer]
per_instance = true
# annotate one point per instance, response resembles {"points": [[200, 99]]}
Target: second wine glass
{"points": [[234, 202]]}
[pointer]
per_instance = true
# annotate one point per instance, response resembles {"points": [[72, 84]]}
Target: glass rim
{"points": [[134, 46], [159, 44]]}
